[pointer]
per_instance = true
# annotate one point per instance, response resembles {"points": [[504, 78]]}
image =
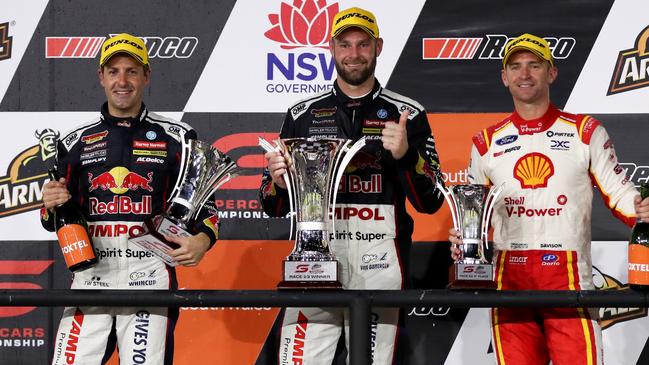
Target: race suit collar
{"points": [[122, 122], [350, 102], [535, 125]]}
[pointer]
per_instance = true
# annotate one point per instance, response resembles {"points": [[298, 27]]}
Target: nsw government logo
{"points": [[301, 29]]}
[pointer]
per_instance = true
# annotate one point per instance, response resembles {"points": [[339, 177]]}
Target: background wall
{"points": [[231, 68]]}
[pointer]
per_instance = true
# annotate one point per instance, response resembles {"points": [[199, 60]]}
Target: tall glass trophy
{"points": [[312, 181], [203, 170], [471, 207]]}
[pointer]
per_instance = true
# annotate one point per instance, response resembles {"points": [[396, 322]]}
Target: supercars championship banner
{"points": [[231, 69]]}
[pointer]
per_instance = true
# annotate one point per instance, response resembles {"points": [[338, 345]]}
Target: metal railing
{"points": [[359, 302]]}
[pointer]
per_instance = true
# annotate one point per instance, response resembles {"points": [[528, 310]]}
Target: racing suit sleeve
{"points": [[419, 169], [207, 220], [273, 198], [606, 173], [63, 166], [477, 174]]}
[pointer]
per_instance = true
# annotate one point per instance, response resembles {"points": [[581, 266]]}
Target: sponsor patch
{"points": [[510, 149], [95, 146], [324, 113], [93, 160], [323, 131], [150, 145], [507, 140], [559, 145], [89, 155], [139, 152], [95, 137], [150, 160]]}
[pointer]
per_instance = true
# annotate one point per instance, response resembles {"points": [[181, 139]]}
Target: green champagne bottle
{"points": [[639, 250]]}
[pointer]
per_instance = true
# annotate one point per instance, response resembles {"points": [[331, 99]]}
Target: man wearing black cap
{"points": [[548, 162], [400, 159], [120, 169]]}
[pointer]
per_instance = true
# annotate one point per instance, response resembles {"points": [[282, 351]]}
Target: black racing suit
{"points": [[373, 229], [120, 171]]}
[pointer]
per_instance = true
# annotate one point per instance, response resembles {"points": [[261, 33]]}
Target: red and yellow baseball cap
{"points": [[528, 42], [124, 43], [355, 17]]}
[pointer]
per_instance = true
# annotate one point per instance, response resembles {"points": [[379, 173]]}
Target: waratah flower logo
{"points": [[306, 23]]}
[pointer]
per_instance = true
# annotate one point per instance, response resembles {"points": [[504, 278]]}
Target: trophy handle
{"points": [[184, 148], [486, 217], [233, 171], [340, 166], [268, 147], [452, 204]]}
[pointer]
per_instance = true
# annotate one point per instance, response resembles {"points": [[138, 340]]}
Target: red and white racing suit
{"points": [[120, 171], [542, 227]]}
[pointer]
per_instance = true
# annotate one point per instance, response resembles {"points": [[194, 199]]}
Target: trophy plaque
{"points": [[312, 181], [471, 207], [203, 170]]}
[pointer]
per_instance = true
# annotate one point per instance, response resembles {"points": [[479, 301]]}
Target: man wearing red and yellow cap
{"points": [[548, 161]]}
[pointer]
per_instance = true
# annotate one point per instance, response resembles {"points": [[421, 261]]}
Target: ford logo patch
{"points": [[507, 140]]}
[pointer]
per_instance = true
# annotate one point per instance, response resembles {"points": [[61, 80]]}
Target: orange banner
{"points": [[452, 134]]}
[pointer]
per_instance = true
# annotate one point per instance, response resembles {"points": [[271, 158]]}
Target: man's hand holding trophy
{"points": [[471, 207], [203, 170]]}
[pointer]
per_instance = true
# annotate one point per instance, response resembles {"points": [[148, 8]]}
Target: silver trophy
{"points": [[471, 207], [203, 169], [312, 181]]}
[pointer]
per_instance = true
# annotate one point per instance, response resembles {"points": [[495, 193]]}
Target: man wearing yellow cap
{"points": [[119, 169], [547, 161], [399, 161]]}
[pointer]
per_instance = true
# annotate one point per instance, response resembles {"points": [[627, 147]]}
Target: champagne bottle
{"points": [[639, 250], [72, 231]]}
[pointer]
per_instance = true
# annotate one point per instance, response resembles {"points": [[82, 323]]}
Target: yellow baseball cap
{"points": [[528, 42], [124, 43], [355, 17]]}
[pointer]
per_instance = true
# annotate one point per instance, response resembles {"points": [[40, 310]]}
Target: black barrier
{"points": [[359, 302]]}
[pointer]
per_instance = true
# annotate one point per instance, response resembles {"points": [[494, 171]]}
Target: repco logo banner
{"points": [[5, 42], [89, 46], [632, 66], [488, 47]]}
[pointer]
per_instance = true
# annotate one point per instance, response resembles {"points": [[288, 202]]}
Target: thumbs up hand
{"points": [[395, 137]]}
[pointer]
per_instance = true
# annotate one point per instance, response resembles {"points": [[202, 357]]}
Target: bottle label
{"points": [[638, 264], [75, 244]]}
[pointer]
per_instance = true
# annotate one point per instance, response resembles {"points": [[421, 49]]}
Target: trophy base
{"points": [[310, 275], [471, 276], [152, 238]]}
